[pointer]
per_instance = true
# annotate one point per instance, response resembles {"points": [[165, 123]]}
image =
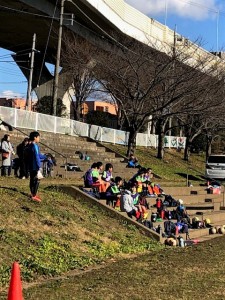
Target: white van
{"points": [[215, 166]]}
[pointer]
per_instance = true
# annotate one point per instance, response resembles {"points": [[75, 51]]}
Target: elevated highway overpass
{"points": [[94, 20]]}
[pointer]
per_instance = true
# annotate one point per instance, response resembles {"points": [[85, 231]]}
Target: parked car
{"points": [[215, 166]]}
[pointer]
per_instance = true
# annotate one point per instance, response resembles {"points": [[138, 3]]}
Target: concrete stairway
{"points": [[64, 147], [198, 204]]}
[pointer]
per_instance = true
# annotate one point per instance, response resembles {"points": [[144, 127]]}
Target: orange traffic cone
{"points": [[15, 287]]}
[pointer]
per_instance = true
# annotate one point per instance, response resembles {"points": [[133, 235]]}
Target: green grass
{"points": [[59, 234], [172, 168], [196, 272]]}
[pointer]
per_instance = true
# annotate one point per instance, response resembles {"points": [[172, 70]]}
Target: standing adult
{"points": [[34, 164], [20, 152], [7, 152]]}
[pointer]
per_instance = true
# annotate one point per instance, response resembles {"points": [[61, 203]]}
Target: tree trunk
{"points": [[187, 148], [208, 146], [120, 119], [77, 112], [131, 141], [161, 135]]}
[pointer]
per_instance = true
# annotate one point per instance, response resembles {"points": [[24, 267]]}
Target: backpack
{"points": [[171, 200], [168, 215], [180, 209], [169, 227], [159, 203], [153, 217], [168, 199], [198, 224], [184, 228], [148, 224]]}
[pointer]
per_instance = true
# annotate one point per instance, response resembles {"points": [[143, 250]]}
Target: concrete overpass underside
{"points": [[21, 19]]}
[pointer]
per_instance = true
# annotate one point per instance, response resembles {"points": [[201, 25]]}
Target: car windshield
{"points": [[216, 159]]}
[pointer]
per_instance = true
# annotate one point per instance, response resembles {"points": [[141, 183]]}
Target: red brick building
{"points": [[18, 103]]}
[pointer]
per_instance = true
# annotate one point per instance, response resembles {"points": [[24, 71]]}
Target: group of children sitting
{"points": [[130, 197], [124, 196]]}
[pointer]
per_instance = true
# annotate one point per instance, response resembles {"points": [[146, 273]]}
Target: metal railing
{"points": [[36, 121]]}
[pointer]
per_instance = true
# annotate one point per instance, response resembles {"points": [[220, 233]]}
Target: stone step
{"points": [[93, 155], [185, 191], [198, 198], [73, 148], [192, 200], [201, 234], [215, 216]]}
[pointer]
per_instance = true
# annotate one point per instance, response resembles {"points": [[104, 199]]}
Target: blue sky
{"points": [[194, 19]]}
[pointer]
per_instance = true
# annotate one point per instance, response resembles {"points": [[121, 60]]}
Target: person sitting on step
{"points": [[97, 178], [107, 174], [113, 193], [133, 162], [88, 179], [136, 200], [126, 204]]}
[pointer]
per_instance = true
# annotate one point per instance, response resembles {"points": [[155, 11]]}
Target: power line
{"points": [[26, 12], [201, 6], [47, 42]]}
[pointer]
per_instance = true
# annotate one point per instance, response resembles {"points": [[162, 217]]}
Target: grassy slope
{"points": [[59, 234]]}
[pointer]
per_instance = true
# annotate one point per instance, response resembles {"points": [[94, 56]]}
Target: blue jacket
{"points": [[34, 157]]}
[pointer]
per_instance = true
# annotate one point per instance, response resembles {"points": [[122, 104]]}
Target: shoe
{"points": [[36, 198]]}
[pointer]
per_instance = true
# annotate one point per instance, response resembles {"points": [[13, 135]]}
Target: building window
{"points": [[100, 108]]}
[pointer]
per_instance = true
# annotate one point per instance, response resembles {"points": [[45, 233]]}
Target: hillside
{"points": [[59, 234]]}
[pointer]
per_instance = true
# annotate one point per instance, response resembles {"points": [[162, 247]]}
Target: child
{"points": [[97, 178], [113, 193], [133, 162], [148, 175], [107, 174], [140, 180], [88, 179], [136, 200], [35, 158]]}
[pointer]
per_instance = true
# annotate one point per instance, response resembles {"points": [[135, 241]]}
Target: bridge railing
{"points": [[36, 121]]}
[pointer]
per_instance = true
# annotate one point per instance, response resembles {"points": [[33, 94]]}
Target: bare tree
{"points": [[79, 62], [130, 76], [147, 82]]}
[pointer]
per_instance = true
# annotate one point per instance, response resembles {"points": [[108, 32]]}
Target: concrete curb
{"points": [[76, 192]]}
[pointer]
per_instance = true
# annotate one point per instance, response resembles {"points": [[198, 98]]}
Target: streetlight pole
{"points": [[166, 11], [28, 99], [217, 31], [56, 73]]}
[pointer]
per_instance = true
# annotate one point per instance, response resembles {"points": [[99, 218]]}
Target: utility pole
{"points": [[56, 74], [28, 99]]}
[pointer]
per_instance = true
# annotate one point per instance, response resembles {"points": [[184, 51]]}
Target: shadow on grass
{"points": [[14, 190], [190, 177]]}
